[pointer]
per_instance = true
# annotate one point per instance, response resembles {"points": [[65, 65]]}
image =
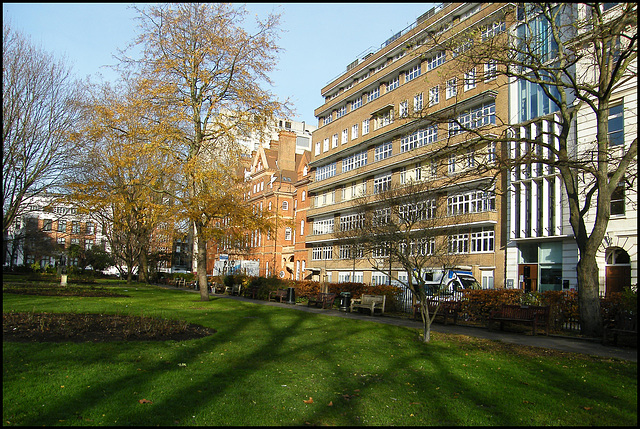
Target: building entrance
{"points": [[528, 277]]}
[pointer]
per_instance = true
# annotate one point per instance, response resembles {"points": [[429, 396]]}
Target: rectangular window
{"points": [[318, 146], [61, 241], [325, 145], [493, 29], [393, 83], [375, 93], [354, 132], [351, 222], [334, 141], [46, 224], [341, 112], [471, 202], [617, 200], [88, 244], [419, 138], [470, 79], [616, 125], [435, 61], [345, 136], [365, 127], [323, 226], [413, 73], [417, 103], [491, 152], [62, 225], [452, 163], [434, 95], [325, 171], [382, 183], [327, 120], [452, 87], [474, 118], [382, 151], [287, 234], [490, 70], [404, 109], [459, 243], [482, 240], [354, 161], [320, 253], [355, 104]]}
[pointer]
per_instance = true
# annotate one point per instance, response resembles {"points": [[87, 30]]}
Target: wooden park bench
{"points": [[253, 292], [526, 314], [217, 288], [279, 294], [371, 302], [447, 309], [326, 299], [624, 322], [234, 290]]}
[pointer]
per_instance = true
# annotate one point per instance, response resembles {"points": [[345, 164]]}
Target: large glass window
{"points": [[354, 161], [382, 151], [413, 73]]}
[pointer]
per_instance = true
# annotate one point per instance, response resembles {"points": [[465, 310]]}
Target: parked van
{"points": [[448, 284]]}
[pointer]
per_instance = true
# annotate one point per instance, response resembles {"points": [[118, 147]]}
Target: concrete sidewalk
{"points": [[556, 342]]}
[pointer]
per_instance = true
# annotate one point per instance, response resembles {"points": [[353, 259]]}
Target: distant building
{"points": [[48, 230]]}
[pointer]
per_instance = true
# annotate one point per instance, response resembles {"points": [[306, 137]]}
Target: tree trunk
{"points": [[588, 297], [143, 267], [202, 264]]}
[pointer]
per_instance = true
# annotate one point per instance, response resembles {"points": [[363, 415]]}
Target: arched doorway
{"points": [[618, 270]]}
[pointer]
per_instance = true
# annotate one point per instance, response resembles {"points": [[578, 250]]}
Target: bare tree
{"points": [[403, 231], [39, 111], [578, 58]]}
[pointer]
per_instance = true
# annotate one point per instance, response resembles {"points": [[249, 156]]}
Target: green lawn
{"points": [[265, 361]]}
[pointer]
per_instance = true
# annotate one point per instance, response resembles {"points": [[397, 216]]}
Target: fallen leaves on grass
{"points": [[145, 401], [308, 401]]}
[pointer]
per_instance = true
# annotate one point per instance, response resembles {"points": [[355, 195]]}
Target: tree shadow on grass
{"points": [[453, 382]]}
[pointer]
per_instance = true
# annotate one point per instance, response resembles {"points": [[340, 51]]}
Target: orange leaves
{"points": [[308, 401], [145, 401]]}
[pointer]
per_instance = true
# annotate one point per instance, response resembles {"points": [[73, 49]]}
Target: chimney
{"points": [[286, 150]]}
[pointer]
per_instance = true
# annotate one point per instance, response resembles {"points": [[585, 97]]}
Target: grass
{"points": [[264, 362]]}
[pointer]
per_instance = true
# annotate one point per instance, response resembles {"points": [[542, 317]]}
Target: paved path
{"points": [[557, 342]]}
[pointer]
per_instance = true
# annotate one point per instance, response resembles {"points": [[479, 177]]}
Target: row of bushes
{"points": [[476, 304]]}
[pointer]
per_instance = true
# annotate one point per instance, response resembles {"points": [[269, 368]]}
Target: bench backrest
{"points": [[371, 299]]}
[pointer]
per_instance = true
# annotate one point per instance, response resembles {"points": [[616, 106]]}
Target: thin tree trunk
{"points": [[202, 264]]}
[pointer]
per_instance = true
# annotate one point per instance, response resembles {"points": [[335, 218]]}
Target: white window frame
{"points": [[417, 102], [383, 151], [490, 70], [354, 131], [403, 109], [470, 79], [345, 136], [452, 88], [413, 73], [334, 141], [365, 127], [393, 83], [434, 95]]}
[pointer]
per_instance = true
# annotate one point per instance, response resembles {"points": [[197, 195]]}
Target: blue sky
{"points": [[319, 39]]}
